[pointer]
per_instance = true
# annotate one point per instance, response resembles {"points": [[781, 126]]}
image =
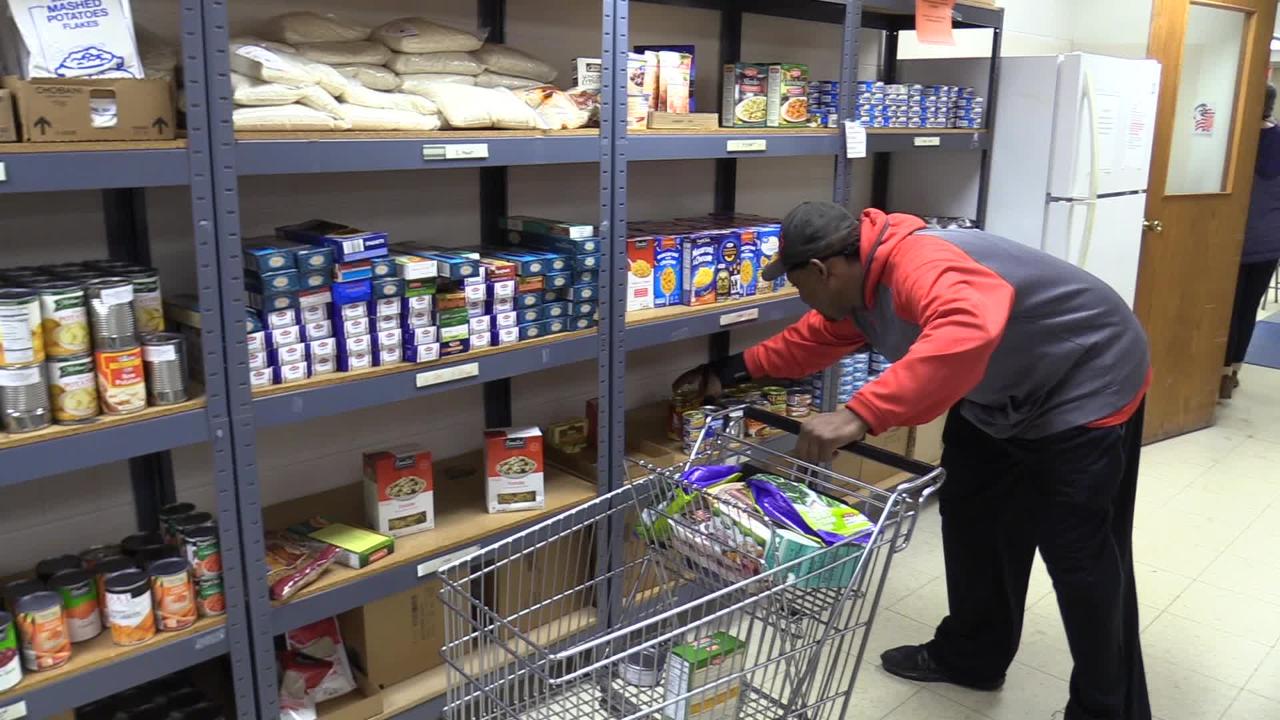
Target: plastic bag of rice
{"points": [[510, 61], [511, 82], [311, 27], [418, 82], [341, 53], [270, 66], [285, 118], [358, 94], [374, 77], [419, 35], [457, 63], [367, 118]]}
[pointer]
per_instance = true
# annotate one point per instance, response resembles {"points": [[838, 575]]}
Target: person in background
{"points": [[1261, 252], [1042, 369]]}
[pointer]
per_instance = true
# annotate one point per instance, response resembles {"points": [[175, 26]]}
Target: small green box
{"points": [[357, 547]]}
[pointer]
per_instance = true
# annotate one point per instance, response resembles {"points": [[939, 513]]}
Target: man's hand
{"points": [[826, 433], [702, 378]]}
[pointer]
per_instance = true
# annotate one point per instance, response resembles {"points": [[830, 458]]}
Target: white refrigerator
{"points": [[1070, 158]]}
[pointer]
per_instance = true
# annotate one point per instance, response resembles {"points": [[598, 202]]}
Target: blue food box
{"points": [[748, 262], [499, 305], [312, 279], [252, 321], [268, 255], [526, 263], [550, 296], [555, 310], [556, 325], [279, 281], [583, 322], [578, 292], [528, 315], [667, 270], [387, 287], [555, 281], [504, 336], [425, 352], [356, 270], [346, 242], [311, 257], [383, 267], [269, 300], [586, 262], [454, 347], [528, 299], [584, 277], [586, 307], [586, 245], [529, 331], [543, 226], [728, 284], [387, 306], [769, 241], [356, 291]]}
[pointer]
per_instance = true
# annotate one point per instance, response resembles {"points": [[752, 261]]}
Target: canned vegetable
{"points": [[79, 602], [21, 341], [10, 665], [64, 318], [106, 568], [47, 568], [122, 388], [202, 551], [73, 389], [166, 516], [24, 398], [210, 598], [43, 631], [148, 304], [129, 610], [133, 543], [174, 594]]}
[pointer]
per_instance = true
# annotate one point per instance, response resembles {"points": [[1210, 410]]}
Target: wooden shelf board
{"points": [[737, 131], [642, 317], [924, 131], [414, 135], [102, 422], [56, 147], [357, 375], [461, 517], [101, 651]]}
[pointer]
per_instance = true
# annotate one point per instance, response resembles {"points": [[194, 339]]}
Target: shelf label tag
{"points": [[430, 567], [214, 638], [927, 141], [741, 316], [4, 175], [443, 375], [758, 145], [462, 151], [14, 711], [855, 140]]}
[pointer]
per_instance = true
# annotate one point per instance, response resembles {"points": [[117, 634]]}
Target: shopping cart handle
{"points": [[871, 452]]}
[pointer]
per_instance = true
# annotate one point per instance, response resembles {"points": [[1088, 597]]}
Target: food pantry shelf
{"points": [[40, 167], [462, 525], [264, 153], [732, 142], [98, 668], [344, 392], [899, 139], [680, 322], [60, 448]]}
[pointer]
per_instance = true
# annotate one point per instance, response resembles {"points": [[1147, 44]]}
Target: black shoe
{"points": [[913, 662]]}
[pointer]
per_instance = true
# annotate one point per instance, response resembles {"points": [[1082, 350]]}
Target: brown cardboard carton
{"points": [[397, 637], [547, 582], [869, 471], [8, 128], [59, 109], [926, 440]]}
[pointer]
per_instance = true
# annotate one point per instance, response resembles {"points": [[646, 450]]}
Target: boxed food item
{"points": [[345, 242], [745, 102], [683, 121], [686, 73], [514, 469], [699, 664], [61, 109], [748, 261], [413, 267], [788, 95], [8, 129], [675, 74], [357, 547], [543, 226], [586, 73], [728, 266], [267, 255], [399, 490], [396, 637], [698, 269], [667, 270]]}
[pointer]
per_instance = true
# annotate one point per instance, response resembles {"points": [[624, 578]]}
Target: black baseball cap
{"points": [[813, 230]]}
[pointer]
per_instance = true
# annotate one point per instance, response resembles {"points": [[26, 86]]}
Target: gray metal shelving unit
{"points": [[122, 175], [212, 164]]}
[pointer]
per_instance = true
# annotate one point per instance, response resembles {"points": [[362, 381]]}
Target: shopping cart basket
{"points": [[664, 599]]}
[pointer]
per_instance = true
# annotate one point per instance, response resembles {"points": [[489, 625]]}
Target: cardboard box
{"points": [[62, 109], [400, 491], [683, 121], [559, 572], [514, 469], [870, 472], [926, 441], [392, 639], [8, 127], [358, 547], [360, 704]]}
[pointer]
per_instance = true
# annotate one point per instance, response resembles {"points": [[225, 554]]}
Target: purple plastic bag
{"points": [[704, 476], [777, 507]]}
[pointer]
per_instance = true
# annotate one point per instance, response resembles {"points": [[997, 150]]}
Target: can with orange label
{"points": [[173, 594], [122, 386], [46, 644], [129, 609]]}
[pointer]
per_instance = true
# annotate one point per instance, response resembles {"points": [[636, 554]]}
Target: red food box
{"points": [[399, 491]]}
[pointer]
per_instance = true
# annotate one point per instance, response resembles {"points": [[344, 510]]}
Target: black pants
{"points": [[1251, 285], [1070, 494]]}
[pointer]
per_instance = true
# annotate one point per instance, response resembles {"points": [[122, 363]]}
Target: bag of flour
{"points": [[357, 94], [367, 118], [266, 65], [309, 27], [418, 35], [73, 41], [510, 61], [455, 63], [285, 118], [374, 77], [339, 53]]}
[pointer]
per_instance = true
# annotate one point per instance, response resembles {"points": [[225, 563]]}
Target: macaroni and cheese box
{"points": [[769, 239], [698, 269], [399, 490], [514, 469], [667, 272], [748, 261], [728, 265]]}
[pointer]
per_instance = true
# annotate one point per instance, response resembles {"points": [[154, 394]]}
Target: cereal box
{"points": [[698, 269], [514, 469], [749, 261], [399, 491], [728, 284], [788, 104], [667, 272], [640, 282]]}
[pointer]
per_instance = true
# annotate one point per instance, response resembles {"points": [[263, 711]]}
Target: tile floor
{"points": [[1207, 545]]}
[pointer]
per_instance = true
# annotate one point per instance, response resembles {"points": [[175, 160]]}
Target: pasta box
{"points": [[529, 331], [357, 546], [268, 255], [532, 283], [454, 347], [578, 293], [745, 102], [413, 267], [312, 279], [543, 226], [585, 307], [527, 264], [399, 490], [418, 288], [585, 245], [354, 270], [667, 270], [383, 267], [498, 269], [514, 470], [555, 281], [450, 264], [348, 293], [788, 104], [425, 352], [586, 262], [346, 242], [582, 277], [268, 300]]}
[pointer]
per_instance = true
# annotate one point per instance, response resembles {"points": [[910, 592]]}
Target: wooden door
{"points": [[1214, 55]]}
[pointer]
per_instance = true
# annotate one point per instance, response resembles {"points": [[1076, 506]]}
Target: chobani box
{"points": [[399, 491], [514, 469]]}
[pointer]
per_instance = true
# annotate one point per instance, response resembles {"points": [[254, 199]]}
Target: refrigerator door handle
{"points": [[1091, 207]]}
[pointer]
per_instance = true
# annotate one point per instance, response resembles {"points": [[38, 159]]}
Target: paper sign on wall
{"points": [[933, 22], [855, 140], [1202, 118]]}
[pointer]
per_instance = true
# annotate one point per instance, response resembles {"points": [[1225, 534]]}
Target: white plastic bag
{"points": [[457, 63], [310, 27], [358, 94], [419, 35], [374, 77], [285, 118], [95, 41], [268, 44], [326, 77], [267, 65], [464, 106], [511, 82], [510, 61], [367, 118], [417, 83], [339, 53], [249, 91], [316, 97]]}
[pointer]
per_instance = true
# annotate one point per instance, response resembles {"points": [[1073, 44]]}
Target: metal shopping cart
{"points": [[663, 600]]}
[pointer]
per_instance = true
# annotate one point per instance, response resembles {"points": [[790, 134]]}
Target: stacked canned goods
{"points": [[70, 345], [852, 373], [173, 697], [824, 103], [197, 534]]}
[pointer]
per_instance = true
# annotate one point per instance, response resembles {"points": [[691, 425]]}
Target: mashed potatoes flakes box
{"points": [[514, 469], [399, 491]]}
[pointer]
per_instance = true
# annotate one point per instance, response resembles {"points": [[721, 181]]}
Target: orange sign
{"points": [[933, 22]]}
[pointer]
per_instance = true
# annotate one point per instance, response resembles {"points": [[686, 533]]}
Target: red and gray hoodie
{"points": [[1025, 343]]}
